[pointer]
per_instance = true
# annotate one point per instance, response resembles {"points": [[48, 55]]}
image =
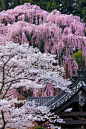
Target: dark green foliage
{"points": [[2, 5], [81, 9], [39, 127], [67, 6], [23, 1], [76, 7]]}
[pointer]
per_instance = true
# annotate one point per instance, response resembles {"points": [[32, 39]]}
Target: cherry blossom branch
{"points": [[3, 71], [10, 57], [15, 80], [11, 94]]}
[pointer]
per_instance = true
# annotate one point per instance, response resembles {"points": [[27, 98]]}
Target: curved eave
{"points": [[64, 96]]}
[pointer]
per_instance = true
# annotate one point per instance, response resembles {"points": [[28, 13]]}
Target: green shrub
{"points": [[79, 59], [85, 32], [39, 127]]}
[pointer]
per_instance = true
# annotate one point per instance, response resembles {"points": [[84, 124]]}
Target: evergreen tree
{"points": [[2, 5], [81, 9], [68, 6]]}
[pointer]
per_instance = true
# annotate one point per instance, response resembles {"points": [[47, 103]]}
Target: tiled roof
{"points": [[78, 81], [64, 96]]}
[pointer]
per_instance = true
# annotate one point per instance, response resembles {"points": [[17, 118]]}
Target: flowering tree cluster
{"points": [[53, 32], [26, 67], [24, 116], [22, 66]]}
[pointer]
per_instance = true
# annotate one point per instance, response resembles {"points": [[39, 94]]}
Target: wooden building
{"points": [[71, 106]]}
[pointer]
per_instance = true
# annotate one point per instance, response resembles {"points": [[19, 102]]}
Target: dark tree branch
{"points": [[4, 123], [2, 80], [6, 90], [15, 80]]}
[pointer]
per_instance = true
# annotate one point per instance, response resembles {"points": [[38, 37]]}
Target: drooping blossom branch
{"points": [[50, 32]]}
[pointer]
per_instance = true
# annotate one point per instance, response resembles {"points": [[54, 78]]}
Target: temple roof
{"points": [[78, 82]]}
